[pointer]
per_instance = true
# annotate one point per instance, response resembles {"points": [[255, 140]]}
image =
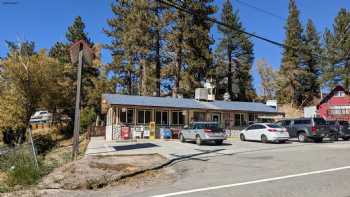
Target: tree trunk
{"points": [[129, 83], [158, 64], [229, 73]]}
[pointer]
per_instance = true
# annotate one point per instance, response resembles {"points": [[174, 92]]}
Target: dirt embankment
{"points": [[94, 172]]}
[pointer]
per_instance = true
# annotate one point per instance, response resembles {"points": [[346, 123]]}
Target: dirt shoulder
{"points": [[99, 175], [92, 172]]}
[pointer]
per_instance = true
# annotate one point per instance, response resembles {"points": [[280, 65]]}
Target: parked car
{"points": [[306, 128], [264, 132], [201, 132], [41, 117], [340, 129]]}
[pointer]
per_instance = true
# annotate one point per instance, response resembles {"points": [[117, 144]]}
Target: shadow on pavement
{"points": [[135, 146]]}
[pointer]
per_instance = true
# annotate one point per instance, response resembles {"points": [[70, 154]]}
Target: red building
{"points": [[336, 105]]}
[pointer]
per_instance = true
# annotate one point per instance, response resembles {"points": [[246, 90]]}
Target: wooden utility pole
{"points": [[77, 108], [80, 52]]}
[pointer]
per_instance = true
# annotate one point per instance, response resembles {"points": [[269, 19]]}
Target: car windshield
{"points": [[274, 126], [320, 121]]}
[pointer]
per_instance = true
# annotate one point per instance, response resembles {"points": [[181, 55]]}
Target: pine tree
{"points": [[310, 64], [138, 32], [199, 65], [177, 49], [336, 65], [90, 73], [237, 50], [290, 68], [77, 32]]}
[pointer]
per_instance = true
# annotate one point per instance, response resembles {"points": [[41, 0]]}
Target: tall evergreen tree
{"points": [[336, 65], [138, 43], [237, 50], [199, 65], [290, 68], [77, 32], [90, 73], [310, 64]]}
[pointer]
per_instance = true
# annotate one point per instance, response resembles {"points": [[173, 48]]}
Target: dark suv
{"points": [[340, 129], [306, 128]]}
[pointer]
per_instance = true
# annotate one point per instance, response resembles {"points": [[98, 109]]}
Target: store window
{"points": [[199, 116], [239, 120], [143, 116], [162, 118], [177, 118], [126, 116]]}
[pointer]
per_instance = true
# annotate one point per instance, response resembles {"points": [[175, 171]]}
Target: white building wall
{"points": [[310, 111]]}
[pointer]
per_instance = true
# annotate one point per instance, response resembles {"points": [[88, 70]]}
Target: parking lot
{"points": [[244, 168]]}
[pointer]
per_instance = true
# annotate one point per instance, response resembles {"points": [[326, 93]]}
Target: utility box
{"points": [[272, 103], [201, 94]]}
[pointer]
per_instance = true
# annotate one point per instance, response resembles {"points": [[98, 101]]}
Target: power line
{"points": [[193, 13], [261, 10]]}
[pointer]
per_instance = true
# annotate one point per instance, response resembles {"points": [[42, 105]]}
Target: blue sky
{"points": [[46, 22]]}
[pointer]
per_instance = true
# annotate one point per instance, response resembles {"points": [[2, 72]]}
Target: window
{"points": [[259, 126], [126, 116], [143, 116], [177, 118], [239, 120], [162, 117], [275, 126], [286, 123], [339, 93], [251, 127], [320, 121], [199, 116], [302, 121], [251, 117], [256, 126]]}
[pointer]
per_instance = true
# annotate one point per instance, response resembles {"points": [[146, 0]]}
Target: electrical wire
{"points": [[193, 13], [261, 10]]}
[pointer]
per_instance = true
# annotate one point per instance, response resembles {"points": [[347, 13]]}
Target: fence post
{"points": [[33, 148]]}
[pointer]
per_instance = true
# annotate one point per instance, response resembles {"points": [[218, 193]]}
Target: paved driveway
{"points": [[173, 149], [240, 169]]}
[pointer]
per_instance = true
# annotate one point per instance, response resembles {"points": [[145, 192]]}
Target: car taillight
{"points": [[207, 130], [314, 130], [272, 130]]}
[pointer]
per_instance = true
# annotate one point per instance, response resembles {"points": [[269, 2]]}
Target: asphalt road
{"points": [[309, 169]]}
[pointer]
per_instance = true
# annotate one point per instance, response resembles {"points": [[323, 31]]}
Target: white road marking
{"points": [[252, 182]]}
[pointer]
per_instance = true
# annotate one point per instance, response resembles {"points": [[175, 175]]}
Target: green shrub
{"points": [[20, 167], [44, 143], [87, 118]]}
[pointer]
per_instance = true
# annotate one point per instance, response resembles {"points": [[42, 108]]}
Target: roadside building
{"points": [[335, 105], [135, 113]]}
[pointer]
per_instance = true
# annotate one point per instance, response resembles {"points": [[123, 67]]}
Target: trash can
{"points": [[167, 134]]}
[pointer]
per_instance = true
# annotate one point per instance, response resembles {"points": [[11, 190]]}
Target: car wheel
{"points": [[182, 138], [242, 137], [302, 137], [346, 138], [334, 137], [264, 139], [198, 140], [283, 141], [318, 140], [218, 142]]}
